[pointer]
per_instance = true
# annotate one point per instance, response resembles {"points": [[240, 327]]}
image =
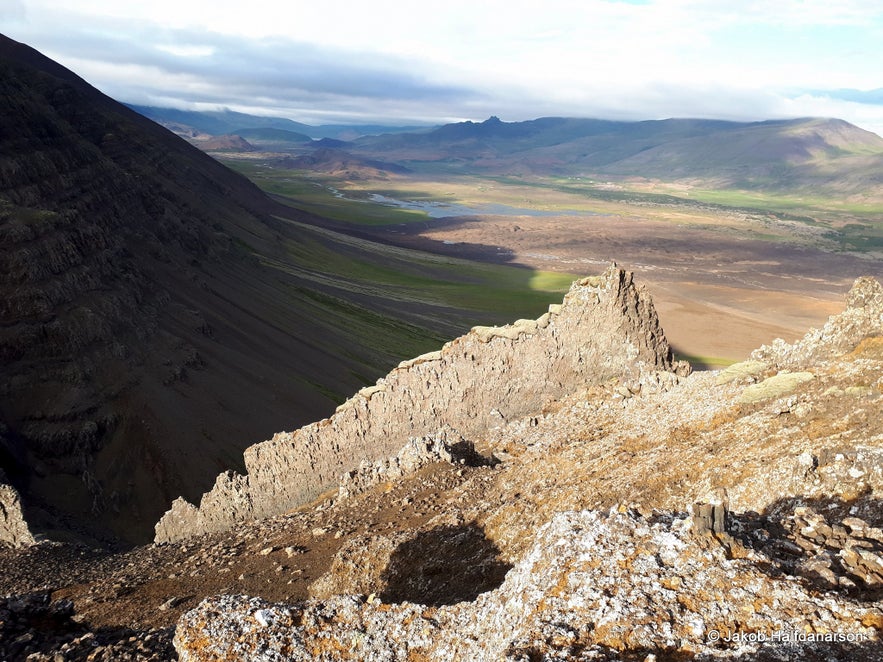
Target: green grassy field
{"points": [[457, 289], [324, 195]]}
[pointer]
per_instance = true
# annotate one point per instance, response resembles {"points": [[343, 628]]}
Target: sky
{"points": [[430, 61]]}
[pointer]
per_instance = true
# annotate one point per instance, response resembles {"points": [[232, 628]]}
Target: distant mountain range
{"points": [[778, 154], [821, 155], [230, 122]]}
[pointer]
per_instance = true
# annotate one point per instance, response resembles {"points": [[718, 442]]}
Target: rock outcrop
{"points": [[605, 329], [13, 527], [592, 587], [863, 318], [573, 543], [446, 445]]}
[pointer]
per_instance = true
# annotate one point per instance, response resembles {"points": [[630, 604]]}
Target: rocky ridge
{"points": [[796, 574], [567, 536], [606, 328]]}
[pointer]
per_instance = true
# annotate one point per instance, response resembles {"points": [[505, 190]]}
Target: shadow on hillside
{"points": [[697, 363], [446, 565], [832, 544], [36, 627]]}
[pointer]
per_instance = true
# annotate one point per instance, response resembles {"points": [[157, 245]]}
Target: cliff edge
{"points": [[606, 328]]}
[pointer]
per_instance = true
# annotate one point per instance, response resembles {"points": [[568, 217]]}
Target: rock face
{"points": [[606, 328], [446, 445], [863, 318]]}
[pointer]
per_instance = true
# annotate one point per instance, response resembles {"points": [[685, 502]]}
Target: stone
{"points": [[14, 529], [584, 585], [749, 370]]}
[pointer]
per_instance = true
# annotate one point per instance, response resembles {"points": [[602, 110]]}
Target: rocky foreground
{"points": [[570, 532]]}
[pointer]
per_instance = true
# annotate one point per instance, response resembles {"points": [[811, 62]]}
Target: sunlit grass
{"points": [[469, 291]]}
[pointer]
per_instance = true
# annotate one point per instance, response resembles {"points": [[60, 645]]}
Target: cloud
{"points": [[461, 59], [14, 11], [184, 67], [275, 67]]}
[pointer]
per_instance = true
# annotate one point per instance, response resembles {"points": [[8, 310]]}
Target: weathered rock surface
{"points": [[446, 445], [13, 528], [593, 587], [863, 318], [606, 328]]}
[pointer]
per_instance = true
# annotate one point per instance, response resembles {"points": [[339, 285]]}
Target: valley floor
{"points": [[725, 278]]}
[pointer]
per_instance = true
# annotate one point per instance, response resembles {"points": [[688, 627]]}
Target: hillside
{"points": [[229, 121], [269, 135], [138, 330], [780, 155], [158, 313], [228, 143], [340, 163], [628, 512]]}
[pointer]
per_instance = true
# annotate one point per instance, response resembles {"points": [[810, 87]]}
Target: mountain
{"points": [[227, 121], [154, 317], [775, 155], [231, 143], [265, 134], [341, 163], [218, 122]]}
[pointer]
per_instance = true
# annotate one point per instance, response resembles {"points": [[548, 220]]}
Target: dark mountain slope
{"points": [[142, 343]]}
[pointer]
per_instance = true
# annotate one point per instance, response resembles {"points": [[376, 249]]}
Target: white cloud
{"points": [[13, 10], [462, 58]]}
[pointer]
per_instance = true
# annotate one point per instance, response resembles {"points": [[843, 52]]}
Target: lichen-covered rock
{"points": [[592, 587], [606, 328], [775, 386], [13, 527]]}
